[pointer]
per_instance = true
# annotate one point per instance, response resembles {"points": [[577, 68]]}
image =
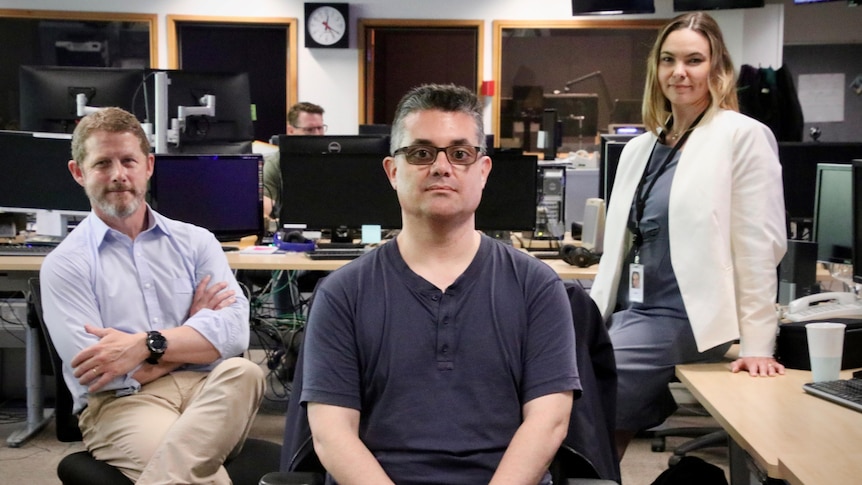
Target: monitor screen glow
{"points": [[222, 193]]}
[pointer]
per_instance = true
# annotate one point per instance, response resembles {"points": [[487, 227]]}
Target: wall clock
{"points": [[327, 25]]}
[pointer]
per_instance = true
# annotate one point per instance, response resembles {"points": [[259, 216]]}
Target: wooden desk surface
{"points": [[296, 261], [790, 434]]}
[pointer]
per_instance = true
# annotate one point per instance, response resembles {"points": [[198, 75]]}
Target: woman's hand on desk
{"points": [[758, 366]]}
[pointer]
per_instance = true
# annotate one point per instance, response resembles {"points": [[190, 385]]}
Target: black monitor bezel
{"points": [[218, 196], [292, 145], [607, 164]]}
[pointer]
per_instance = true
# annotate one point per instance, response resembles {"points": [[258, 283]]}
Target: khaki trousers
{"points": [[180, 428]]}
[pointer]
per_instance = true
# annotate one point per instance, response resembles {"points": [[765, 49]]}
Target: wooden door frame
{"points": [[292, 38], [150, 19], [365, 59]]}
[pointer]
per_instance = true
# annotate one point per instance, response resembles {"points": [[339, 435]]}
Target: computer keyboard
{"points": [[847, 392], [337, 253], [826, 310], [24, 250]]}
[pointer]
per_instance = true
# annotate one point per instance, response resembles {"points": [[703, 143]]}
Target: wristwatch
{"points": [[157, 344]]}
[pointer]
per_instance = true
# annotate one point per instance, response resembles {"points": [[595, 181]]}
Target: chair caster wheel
{"points": [[673, 460], [658, 445]]}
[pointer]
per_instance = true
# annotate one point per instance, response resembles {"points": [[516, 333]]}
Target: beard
{"points": [[117, 209]]}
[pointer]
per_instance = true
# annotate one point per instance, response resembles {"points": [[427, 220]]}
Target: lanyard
{"points": [[641, 195]]}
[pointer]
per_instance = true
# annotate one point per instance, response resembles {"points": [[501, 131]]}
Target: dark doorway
{"points": [[402, 57], [258, 49]]}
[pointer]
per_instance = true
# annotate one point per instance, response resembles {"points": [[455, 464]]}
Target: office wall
{"points": [[330, 77]]}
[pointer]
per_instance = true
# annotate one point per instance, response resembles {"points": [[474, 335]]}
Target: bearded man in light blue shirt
{"points": [[148, 319]]}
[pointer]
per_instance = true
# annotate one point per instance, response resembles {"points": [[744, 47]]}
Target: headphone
{"points": [[578, 256], [292, 241]]}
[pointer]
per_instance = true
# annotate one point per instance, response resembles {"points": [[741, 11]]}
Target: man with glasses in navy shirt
{"points": [[442, 356]]}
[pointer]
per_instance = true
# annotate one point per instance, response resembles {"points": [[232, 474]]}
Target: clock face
{"points": [[326, 26]]}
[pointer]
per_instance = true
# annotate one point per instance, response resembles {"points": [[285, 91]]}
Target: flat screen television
{"points": [[232, 120], [607, 7], [47, 101], [857, 221], [289, 145], [689, 5], [222, 193], [833, 213]]}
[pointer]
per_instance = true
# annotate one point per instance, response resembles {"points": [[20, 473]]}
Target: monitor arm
{"points": [[602, 85], [83, 110], [207, 108], [81, 105]]}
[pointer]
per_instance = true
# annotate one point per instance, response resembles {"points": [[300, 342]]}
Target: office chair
{"points": [[80, 468], [587, 455]]}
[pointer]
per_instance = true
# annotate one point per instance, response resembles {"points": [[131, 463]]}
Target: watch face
{"points": [[326, 26], [156, 342]]}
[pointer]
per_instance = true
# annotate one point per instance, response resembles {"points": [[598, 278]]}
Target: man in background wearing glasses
{"points": [[302, 119], [442, 356]]}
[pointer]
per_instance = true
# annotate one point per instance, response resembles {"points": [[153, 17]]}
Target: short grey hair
{"points": [[443, 97]]}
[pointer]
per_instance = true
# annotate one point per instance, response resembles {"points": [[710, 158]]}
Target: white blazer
{"points": [[726, 227]]}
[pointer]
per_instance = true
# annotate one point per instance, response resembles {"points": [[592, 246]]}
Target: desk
{"points": [[789, 434]]}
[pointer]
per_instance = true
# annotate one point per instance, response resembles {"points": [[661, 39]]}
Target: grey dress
{"points": [[650, 338]]}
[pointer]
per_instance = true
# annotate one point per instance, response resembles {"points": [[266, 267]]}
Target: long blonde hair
{"points": [[722, 78]]}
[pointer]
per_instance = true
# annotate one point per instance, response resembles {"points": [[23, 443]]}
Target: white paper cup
{"points": [[825, 349]]}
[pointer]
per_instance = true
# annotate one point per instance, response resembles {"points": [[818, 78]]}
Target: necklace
{"points": [[672, 136]]}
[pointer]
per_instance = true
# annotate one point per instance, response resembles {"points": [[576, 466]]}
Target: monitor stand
{"points": [[340, 237]]}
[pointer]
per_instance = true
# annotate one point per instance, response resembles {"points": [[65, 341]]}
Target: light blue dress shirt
{"points": [[101, 277]]}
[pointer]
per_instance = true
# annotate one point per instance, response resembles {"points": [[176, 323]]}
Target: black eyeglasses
{"points": [[426, 154]]}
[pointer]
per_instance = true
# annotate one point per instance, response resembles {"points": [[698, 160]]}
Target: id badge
{"points": [[636, 283]]}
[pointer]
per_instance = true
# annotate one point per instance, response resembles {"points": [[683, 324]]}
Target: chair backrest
{"points": [[67, 423]]}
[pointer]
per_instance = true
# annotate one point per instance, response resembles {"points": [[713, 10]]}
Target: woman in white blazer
{"points": [[697, 211]]}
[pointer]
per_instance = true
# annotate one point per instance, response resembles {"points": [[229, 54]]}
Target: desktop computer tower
{"points": [[551, 201]]}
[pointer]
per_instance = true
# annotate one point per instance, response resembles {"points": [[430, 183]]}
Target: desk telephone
{"points": [[824, 305]]}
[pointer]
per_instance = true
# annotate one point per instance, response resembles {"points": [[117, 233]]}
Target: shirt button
{"points": [[444, 349], [156, 320], [435, 297], [147, 285]]}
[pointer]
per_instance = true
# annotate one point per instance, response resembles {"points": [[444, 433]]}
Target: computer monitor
{"points": [[799, 166], [833, 213], [857, 221], [289, 145], [36, 179], [48, 94], [222, 193], [611, 148], [338, 192], [510, 195], [232, 120]]}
